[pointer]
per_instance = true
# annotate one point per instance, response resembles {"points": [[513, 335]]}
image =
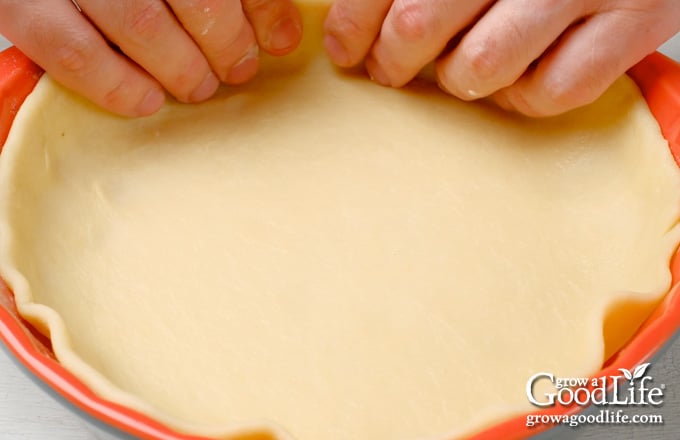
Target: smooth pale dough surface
{"points": [[318, 257]]}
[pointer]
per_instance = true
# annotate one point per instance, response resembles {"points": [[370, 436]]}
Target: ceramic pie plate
{"points": [[657, 76]]}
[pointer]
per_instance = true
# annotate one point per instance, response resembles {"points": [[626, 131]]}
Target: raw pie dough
{"points": [[316, 256]]}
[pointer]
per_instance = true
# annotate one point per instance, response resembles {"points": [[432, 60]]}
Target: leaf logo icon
{"points": [[637, 373], [640, 370], [626, 373]]}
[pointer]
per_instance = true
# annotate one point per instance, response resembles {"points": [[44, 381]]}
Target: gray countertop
{"points": [[27, 413]]}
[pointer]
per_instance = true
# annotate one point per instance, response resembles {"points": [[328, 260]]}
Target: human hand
{"points": [[538, 57], [184, 46]]}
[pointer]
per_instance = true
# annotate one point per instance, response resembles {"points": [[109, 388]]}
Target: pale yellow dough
{"points": [[319, 257]]}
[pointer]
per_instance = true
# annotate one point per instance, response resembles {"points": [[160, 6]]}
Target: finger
{"points": [[277, 24], [351, 28], [223, 34], [57, 37], [588, 59], [502, 44], [414, 33], [148, 33]]}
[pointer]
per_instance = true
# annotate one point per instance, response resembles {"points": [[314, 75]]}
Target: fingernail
{"points": [[377, 73], [442, 86], [206, 89], [336, 51], [151, 103], [245, 68], [284, 35]]}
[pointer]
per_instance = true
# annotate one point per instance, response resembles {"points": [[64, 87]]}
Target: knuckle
{"points": [[482, 59], [188, 79], [343, 22], [412, 20], [117, 96], [75, 56], [147, 21]]}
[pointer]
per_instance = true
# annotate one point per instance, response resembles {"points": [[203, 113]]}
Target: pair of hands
{"points": [[538, 57]]}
